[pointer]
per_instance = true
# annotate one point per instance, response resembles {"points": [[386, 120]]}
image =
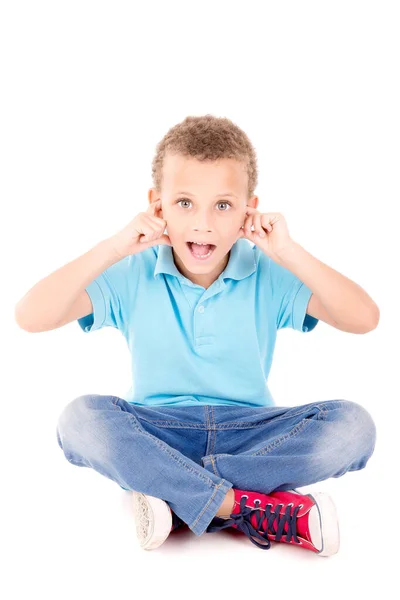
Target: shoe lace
{"points": [[264, 521]]}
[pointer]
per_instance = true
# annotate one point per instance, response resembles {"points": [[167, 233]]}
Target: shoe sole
{"points": [[324, 525], [153, 520]]}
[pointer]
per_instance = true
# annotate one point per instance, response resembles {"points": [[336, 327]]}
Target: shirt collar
{"points": [[241, 264]]}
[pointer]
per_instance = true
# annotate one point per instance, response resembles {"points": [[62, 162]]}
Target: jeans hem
{"points": [[206, 516]]}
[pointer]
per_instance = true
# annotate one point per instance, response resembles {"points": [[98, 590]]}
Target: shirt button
{"points": [[201, 308]]}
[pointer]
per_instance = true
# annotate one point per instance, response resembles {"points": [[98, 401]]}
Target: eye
{"points": [[228, 203], [187, 200], [183, 200]]}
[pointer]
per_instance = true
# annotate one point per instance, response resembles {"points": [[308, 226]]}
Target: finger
{"points": [[149, 232], [165, 240], [257, 226], [240, 234], [157, 221], [251, 210], [265, 221], [155, 228], [155, 211], [152, 220], [247, 226], [144, 238], [154, 207]]}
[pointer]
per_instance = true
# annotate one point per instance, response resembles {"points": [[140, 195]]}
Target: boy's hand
{"points": [[144, 231], [273, 227]]}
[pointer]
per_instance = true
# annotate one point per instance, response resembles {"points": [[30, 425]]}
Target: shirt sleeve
{"points": [[112, 293], [290, 297]]}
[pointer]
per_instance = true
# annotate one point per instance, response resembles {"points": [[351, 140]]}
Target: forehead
{"points": [[188, 173]]}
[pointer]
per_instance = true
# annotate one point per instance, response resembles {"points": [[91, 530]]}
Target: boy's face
{"points": [[205, 202]]}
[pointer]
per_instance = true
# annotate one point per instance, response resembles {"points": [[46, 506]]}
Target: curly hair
{"points": [[206, 138]]}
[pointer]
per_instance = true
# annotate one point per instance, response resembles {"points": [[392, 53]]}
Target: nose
{"points": [[202, 225], [200, 229], [202, 222]]}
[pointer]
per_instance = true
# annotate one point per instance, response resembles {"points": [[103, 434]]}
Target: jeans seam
{"points": [[214, 466], [232, 424], [214, 431], [279, 441], [164, 447], [174, 424], [218, 426]]}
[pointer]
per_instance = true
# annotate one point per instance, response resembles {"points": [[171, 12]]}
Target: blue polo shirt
{"points": [[190, 345]]}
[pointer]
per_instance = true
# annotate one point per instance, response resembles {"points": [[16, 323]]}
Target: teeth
{"points": [[205, 255]]}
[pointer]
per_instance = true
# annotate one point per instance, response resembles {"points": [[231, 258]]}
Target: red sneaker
{"points": [[309, 521]]}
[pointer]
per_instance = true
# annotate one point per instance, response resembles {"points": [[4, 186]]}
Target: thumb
{"points": [[240, 234], [164, 239]]}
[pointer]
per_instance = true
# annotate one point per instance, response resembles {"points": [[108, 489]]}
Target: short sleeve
{"points": [[112, 295], [290, 298]]}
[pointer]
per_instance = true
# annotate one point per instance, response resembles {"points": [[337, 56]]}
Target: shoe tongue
{"points": [[200, 250]]}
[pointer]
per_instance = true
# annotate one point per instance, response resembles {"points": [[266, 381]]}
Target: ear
{"points": [[253, 202], [153, 196]]}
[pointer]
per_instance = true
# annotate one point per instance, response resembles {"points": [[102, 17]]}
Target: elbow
{"points": [[22, 322], [373, 320], [18, 317]]}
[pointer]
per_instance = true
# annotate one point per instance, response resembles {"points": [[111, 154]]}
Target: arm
{"points": [[335, 296], [61, 296]]}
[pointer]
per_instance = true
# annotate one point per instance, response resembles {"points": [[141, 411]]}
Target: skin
{"points": [[202, 215]]}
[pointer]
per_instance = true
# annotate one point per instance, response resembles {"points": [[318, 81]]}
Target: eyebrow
{"points": [[217, 196]]}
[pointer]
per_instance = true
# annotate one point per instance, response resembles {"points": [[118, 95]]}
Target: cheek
{"points": [[236, 223]]}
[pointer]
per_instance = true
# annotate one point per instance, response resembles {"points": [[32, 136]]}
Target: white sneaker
{"points": [[153, 518]]}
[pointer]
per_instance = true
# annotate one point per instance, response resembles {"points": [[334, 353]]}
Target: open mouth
{"points": [[200, 251]]}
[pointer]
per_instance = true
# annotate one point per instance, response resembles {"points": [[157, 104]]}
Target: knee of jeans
{"points": [[81, 429], [361, 426], [348, 436], [73, 417]]}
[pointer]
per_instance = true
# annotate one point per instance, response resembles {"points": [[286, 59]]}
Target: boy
{"points": [[199, 439]]}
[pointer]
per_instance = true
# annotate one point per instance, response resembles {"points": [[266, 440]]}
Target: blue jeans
{"points": [[191, 456]]}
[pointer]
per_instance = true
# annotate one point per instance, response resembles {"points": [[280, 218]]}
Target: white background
{"points": [[88, 89]]}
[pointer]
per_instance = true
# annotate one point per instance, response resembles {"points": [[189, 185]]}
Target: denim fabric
{"points": [[191, 456]]}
